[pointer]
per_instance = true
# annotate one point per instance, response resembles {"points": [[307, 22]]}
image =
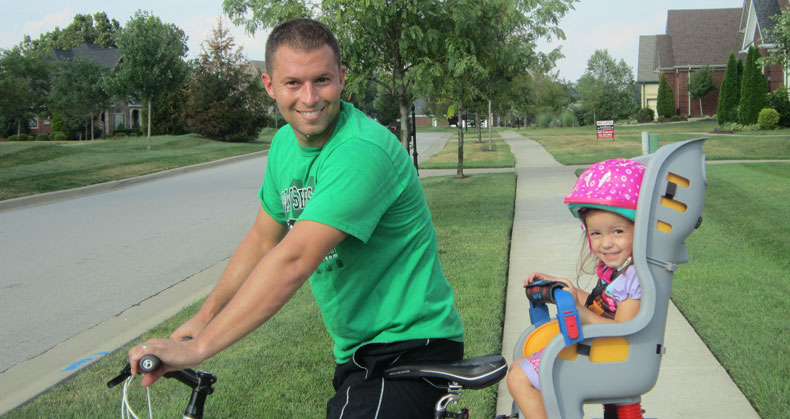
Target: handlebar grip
{"points": [[149, 363]]}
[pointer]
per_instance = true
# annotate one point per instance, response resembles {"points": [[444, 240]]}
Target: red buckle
{"points": [[571, 325]]}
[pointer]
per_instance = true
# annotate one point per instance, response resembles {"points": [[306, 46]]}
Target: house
{"points": [[121, 114], [704, 37]]}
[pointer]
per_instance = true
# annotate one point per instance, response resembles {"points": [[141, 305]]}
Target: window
{"points": [[32, 123]]}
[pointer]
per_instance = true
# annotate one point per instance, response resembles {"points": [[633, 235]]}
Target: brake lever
{"points": [[126, 372]]}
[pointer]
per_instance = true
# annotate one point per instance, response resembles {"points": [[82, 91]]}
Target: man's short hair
{"points": [[301, 34]]}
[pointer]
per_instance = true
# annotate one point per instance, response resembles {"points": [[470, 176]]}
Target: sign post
{"points": [[604, 129]]}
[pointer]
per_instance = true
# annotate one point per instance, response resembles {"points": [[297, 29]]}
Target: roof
{"points": [[108, 57], [764, 11], [648, 60], [699, 37]]}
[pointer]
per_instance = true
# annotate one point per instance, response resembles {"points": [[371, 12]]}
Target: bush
{"points": [[42, 137], [682, 117], [21, 137], [545, 119], [768, 119], [645, 115], [568, 119], [779, 100], [666, 98], [58, 136]]}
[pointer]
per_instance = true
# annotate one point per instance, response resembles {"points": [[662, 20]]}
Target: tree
{"points": [[754, 89], [78, 91], [729, 93], [152, 65], [24, 84], [97, 29], [701, 84], [225, 102], [606, 87], [666, 98], [398, 44], [779, 37]]}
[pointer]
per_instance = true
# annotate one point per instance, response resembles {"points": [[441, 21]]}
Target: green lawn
{"points": [[476, 155], [579, 145], [735, 290], [29, 168], [284, 369]]}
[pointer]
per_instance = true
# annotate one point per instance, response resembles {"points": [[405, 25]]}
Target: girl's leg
{"points": [[527, 397]]}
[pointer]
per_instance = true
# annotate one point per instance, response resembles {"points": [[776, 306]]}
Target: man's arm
{"points": [[272, 282], [262, 237]]}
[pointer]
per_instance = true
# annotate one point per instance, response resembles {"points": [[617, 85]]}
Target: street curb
{"points": [[33, 200]]}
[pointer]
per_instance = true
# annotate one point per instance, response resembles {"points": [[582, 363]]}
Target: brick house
{"points": [[696, 38], [121, 113]]}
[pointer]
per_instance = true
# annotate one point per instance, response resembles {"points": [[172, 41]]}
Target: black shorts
{"points": [[362, 391]]}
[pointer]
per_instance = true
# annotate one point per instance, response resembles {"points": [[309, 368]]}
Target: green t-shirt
{"points": [[384, 282]]}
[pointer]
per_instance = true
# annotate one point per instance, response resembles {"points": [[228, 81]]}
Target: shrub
{"points": [[568, 119], [645, 115], [779, 100], [666, 98], [42, 137], [768, 119], [58, 136], [754, 89], [545, 119], [682, 117]]}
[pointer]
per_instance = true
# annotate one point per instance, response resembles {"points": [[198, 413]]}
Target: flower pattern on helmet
{"points": [[612, 183]]}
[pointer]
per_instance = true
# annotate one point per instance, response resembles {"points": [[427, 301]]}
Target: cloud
{"points": [[48, 23]]}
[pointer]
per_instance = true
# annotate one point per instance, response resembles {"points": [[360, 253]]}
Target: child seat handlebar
{"points": [[542, 292]]}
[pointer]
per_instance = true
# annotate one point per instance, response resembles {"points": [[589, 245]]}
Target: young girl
{"points": [[604, 199]]}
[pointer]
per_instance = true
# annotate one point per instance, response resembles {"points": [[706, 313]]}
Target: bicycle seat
{"points": [[472, 373]]}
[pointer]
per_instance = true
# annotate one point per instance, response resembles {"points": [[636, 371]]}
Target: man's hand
{"points": [[190, 329], [174, 356]]}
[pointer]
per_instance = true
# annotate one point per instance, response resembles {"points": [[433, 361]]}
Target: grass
{"points": [[579, 145], [735, 290], [29, 168], [476, 155], [275, 372]]}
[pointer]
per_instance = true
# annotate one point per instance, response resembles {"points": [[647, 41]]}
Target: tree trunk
{"points": [[490, 122], [93, 137], [148, 146], [477, 123], [701, 114], [404, 123], [460, 172]]}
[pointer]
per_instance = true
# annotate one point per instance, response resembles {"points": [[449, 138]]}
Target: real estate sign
{"points": [[604, 129]]}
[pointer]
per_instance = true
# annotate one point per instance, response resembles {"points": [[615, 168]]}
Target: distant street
{"points": [[69, 265]]}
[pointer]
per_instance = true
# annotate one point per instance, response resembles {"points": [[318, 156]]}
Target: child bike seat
{"points": [[626, 356], [472, 373]]}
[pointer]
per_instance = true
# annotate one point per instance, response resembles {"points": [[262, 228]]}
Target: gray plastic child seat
{"points": [[624, 358]]}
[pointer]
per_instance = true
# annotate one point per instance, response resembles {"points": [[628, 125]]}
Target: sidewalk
{"points": [[546, 238]]}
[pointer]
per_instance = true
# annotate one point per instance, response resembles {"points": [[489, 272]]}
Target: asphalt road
{"points": [[69, 265]]}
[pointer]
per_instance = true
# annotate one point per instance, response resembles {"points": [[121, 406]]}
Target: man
{"points": [[342, 207]]}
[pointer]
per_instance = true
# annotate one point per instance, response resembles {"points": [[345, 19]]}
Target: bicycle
{"points": [[471, 373]]}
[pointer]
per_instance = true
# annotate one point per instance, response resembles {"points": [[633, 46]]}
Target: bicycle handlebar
{"points": [[201, 382]]}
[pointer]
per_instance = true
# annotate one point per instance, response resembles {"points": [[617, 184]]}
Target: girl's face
{"points": [[611, 237]]}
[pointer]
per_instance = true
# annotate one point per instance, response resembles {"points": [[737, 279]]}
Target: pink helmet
{"points": [[611, 185]]}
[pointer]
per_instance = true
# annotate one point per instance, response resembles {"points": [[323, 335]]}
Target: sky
{"points": [[613, 25]]}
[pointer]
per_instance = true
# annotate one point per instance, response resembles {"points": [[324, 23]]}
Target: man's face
{"points": [[306, 86]]}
